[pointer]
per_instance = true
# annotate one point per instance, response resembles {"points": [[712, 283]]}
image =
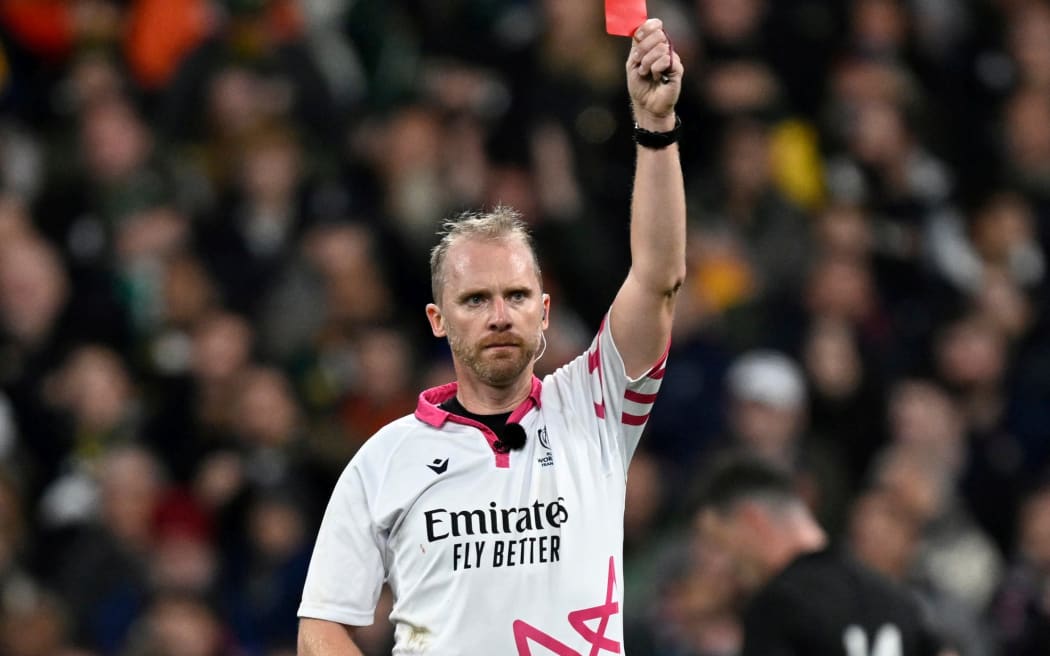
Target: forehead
{"points": [[476, 262]]}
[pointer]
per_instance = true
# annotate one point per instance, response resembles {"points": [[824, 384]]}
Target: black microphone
{"points": [[512, 438]]}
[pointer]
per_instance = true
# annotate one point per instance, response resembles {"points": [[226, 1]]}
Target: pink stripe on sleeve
{"points": [[638, 397], [634, 420]]}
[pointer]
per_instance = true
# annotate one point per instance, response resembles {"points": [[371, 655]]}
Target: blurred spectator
{"points": [[846, 401], [844, 230], [412, 155], [736, 77], [767, 418], [118, 173], [260, 41], [886, 538], [263, 212], [1026, 141], [186, 294], [645, 503], [179, 624], [184, 557], [882, 535], [94, 400], [33, 622], [780, 557], [96, 391], [922, 416], [160, 34], [265, 575], [841, 288], [767, 395], [1001, 238], [385, 385], [887, 167], [879, 28], [971, 360], [103, 566], [267, 429], [775, 233], [1021, 611], [692, 612], [196, 413], [1027, 31], [53, 27], [34, 292], [955, 557]]}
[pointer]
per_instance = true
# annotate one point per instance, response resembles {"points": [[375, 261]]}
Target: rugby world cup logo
{"points": [[542, 435]]}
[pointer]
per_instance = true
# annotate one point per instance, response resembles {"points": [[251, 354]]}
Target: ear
{"points": [[545, 322], [437, 321]]}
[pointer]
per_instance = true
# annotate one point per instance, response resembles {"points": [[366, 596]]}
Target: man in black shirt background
{"points": [[806, 598]]}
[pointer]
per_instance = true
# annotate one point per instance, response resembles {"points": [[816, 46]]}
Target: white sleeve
{"points": [[621, 405], [347, 568]]}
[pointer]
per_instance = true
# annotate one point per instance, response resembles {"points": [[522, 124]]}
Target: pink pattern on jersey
{"points": [[633, 420], [638, 397], [656, 372], [578, 618], [525, 632], [594, 362]]}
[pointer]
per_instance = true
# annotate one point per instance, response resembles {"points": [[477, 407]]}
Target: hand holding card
{"points": [[654, 76], [625, 18]]}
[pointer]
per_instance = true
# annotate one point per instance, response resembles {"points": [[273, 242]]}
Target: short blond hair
{"points": [[502, 222]]}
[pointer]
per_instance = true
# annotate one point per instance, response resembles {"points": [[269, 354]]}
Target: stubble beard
{"points": [[495, 370]]}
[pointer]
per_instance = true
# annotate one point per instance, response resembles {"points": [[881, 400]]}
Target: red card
{"points": [[623, 17]]}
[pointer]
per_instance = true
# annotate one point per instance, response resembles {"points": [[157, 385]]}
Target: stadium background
{"points": [[214, 219]]}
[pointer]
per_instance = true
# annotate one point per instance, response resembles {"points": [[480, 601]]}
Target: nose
{"points": [[500, 319]]}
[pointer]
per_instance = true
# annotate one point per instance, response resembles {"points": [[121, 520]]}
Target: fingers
{"points": [[668, 68], [651, 26], [651, 50], [656, 60], [644, 40]]}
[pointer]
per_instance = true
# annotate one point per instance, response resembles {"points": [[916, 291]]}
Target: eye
{"points": [[517, 296], [475, 299]]}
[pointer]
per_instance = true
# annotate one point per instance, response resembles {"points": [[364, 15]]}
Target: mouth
{"points": [[501, 344]]}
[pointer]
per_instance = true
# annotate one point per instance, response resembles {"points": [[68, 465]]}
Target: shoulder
{"points": [[813, 580], [390, 440], [832, 582], [378, 475]]}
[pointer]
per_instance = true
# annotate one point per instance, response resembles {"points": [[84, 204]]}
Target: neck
{"points": [[485, 399]]}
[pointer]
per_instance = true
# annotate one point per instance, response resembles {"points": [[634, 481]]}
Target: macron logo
{"points": [[438, 466]]}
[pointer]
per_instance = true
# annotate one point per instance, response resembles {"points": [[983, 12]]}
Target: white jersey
{"points": [[488, 552]]}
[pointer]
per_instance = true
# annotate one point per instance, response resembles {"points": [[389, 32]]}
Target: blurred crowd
{"points": [[214, 221]]}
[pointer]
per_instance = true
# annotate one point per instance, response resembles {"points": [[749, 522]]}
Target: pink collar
{"points": [[429, 411]]}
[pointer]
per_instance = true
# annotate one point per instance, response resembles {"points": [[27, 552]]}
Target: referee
{"points": [[806, 598]]}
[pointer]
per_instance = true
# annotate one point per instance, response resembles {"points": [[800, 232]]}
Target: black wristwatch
{"points": [[657, 140]]}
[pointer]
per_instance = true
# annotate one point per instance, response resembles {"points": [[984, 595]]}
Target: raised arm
{"points": [[641, 314]]}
